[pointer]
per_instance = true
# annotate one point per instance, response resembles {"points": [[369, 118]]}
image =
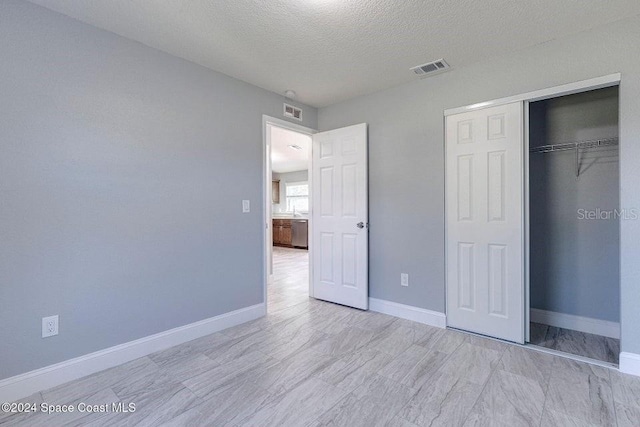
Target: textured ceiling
{"points": [[332, 50], [284, 158]]}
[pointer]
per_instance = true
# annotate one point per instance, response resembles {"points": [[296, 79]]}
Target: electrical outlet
{"points": [[246, 206], [49, 326], [404, 279]]}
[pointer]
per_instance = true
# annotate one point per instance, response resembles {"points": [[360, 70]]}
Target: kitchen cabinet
{"points": [[285, 235], [282, 232], [275, 191]]}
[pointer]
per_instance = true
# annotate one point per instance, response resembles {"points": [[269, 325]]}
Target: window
{"points": [[297, 194]]}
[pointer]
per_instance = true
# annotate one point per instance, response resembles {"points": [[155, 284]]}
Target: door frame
{"points": [[526, 98], [267, 233]]}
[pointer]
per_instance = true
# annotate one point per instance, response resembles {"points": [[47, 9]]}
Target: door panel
{"points": [[326, 191], [485, 221], [339, 246], [466, 276], [285, 235], [465, 188], [326, 258]]}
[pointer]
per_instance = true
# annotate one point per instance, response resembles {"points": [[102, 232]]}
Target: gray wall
{"points": [[122, 171], [297, 176], [575, 262], [406, 157]]}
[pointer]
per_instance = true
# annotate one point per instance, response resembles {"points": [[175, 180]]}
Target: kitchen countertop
{"points": [[289, 217]]}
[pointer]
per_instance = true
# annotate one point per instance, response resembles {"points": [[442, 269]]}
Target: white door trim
{"points": [[537, 95], [287, 125], [525, 238], [266, 195]]}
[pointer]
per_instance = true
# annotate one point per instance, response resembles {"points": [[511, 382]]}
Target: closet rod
{"points": [[577, 145]]}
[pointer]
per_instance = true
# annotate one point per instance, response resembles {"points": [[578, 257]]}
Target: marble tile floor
{"points": [[312, 363], [574, 342], [290, 282]]}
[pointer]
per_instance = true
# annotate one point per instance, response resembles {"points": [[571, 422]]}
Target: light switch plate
{"points": [[246, 206]]}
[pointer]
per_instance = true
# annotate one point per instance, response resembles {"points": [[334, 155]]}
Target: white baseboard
{"points": [[629, 363], [23, 385], [577, 323], [420, 315]]}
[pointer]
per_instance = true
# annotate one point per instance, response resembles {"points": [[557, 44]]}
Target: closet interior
{"points": [[574, 224]]}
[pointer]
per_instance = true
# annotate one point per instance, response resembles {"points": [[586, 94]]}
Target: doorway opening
{"points": [[288, 207], [332, 262], [574, 224]]}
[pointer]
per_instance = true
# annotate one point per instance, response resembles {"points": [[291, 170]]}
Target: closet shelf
{"points": [[580, 145], [577, 145]]}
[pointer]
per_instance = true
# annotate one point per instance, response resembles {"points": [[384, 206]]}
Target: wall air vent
{"points": [[431, 68], [293, 112]]}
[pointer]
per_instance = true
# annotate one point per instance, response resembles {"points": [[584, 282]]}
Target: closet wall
{"points": [[575, 262]]}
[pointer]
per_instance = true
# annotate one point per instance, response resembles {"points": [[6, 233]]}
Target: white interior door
{"points": [[485, 221], [339, 244]]}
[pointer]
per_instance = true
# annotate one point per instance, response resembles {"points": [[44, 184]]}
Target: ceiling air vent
{"points": [[431, 68], [293, 112]]}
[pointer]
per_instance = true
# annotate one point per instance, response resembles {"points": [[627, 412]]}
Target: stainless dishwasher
{"points": [[299, 233]]}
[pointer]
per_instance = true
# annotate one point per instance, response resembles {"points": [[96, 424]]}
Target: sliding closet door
{"points": [[485, 225]]}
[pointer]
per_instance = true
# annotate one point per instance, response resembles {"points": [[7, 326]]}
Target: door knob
{"points": [[360, 224]]}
